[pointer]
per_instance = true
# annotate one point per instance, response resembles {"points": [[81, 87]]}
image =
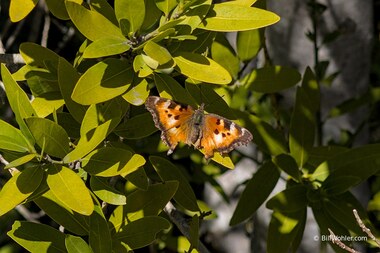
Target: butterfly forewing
{"points": [[171, 118]]}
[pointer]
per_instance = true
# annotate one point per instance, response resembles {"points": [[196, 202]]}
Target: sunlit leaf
{"points": [[36, 237]]}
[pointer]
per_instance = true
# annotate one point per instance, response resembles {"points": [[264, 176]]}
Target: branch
{"points": [[13, 171], [364, 228], [11, 59], [182, 224], [335, 240]]}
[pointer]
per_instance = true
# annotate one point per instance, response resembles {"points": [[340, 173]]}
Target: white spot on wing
{"points": [[171, 121], [218, 138]]}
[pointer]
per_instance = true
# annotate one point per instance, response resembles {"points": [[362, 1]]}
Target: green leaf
{"points": [[222, 160], [19, 187], [194, 14], [109, 162], [98, 114], [157, 52], [185, 195], [99, 236], [202, 43], [131, 129], [288, 164], [63, 215], [98, 122], [283, 229], [75, 244], [69, 188], [92, 24], [166, 6], [67, 78], [19, 9], [201, 68], [272, 79], [104, 8], [340, 185], [311, 88], [19, 103], [58, 9], [106, 47], [229, 18], [241, 2], [265, 136], [47, 103], [142, 203], [214, 103], [36, 237], [223, 53], [248, 44], [260, 186], [142, 232], [70, 125], [138, 178], [169, 88], [138, 93], [37, 55], [12, 139], [318, 155], [291, 199], [341, 207], [152, 15], [20, 161], [302, 128], [361, 162], [51, 137], [105, 192], [130, 14], [194, 231], [325, 222], [103, 81]]}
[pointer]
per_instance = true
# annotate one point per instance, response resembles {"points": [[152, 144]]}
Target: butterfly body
{"points": [[181, 123]]}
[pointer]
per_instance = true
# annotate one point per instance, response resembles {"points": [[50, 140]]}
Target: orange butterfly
{"points": [[210, 132]]}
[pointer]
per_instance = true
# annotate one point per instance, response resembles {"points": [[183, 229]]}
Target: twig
{"points": [[13, 171], [182, 224], [364, 228], [14, 35], [11, 59], [46, 28], [335, 240], [29, 216]]}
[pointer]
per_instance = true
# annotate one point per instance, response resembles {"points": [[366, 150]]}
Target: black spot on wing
{"points": [[172, 105], [182, 107], [216, 131], [176, 117], [227, 124]]}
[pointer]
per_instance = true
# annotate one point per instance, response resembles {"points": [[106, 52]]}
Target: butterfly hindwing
{"points": [[171, 118], [222, 135]]}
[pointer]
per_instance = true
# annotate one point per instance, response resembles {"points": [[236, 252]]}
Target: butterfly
{"points": [[181, 123]]}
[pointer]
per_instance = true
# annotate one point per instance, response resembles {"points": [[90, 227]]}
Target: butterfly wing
{"points": [[172, 118], [222, 135]]}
